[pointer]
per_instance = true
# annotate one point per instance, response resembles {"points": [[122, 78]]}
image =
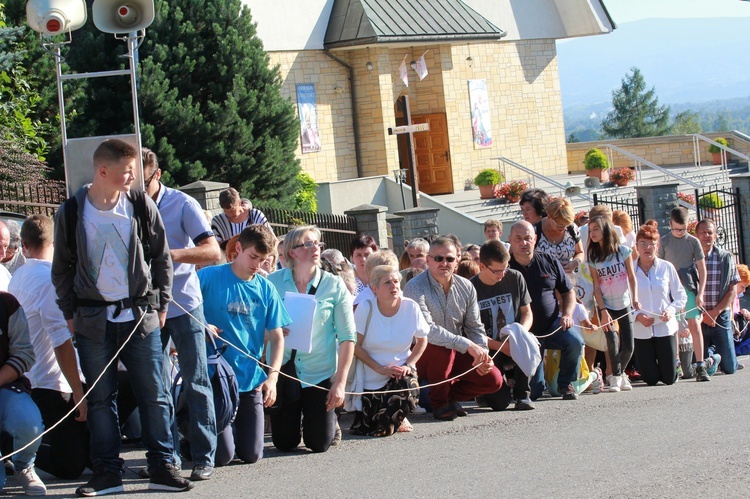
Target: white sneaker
{"points": [[419, 410], [625, 385], [31, 483], [613, 383], [598, 384]]}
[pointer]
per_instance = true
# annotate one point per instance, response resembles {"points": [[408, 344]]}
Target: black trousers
{"points": [[319, 426], [656, 359], [501, 399], [64, 451]]}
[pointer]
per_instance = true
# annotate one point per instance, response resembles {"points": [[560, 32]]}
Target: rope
{"points": [[85, 395]]}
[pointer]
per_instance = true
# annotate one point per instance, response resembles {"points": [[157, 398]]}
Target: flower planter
{"points": [[717, 157], [487, 191], [600, 173], [513, 199]]}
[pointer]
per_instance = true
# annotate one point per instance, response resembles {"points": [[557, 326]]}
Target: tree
{"points": [[685, 123], [636, 110], [18, 97], [210, 106]]}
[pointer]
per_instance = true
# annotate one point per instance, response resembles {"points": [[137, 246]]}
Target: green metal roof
{"points": [[365, 22]]}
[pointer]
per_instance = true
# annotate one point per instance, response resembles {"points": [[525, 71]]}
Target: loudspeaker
{"points": [[123, 16], [592, 183], [571, 190], [54, 17]]}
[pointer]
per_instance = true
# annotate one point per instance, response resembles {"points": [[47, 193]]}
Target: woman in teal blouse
{"points": [[333, 323]]}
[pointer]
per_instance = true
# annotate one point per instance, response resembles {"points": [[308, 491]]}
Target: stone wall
{"points": [[663, 151]]}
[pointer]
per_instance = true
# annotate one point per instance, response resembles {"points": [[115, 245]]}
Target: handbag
{"points": [[288, 390], [355, 380], [596, 339]]}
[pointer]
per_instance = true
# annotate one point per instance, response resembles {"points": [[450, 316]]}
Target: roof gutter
{"points": [[355, 121], [416, 39]]}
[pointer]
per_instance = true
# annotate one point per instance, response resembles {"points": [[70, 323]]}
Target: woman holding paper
{"points": [[322, 371], [386, 326]]}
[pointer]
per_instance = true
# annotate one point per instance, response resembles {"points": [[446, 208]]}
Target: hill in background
{"points": [[696, 64]]}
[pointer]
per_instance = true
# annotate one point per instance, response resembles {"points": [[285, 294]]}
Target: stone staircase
{"points": [[710, 176]]}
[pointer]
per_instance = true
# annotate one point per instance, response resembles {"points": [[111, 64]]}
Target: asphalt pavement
{"points": [[687, 440]]}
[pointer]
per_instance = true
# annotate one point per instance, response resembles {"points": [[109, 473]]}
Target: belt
{"points": [[149, 300]]}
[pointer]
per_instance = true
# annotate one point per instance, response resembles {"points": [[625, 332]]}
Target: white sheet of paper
{"points": [[301, 308]]}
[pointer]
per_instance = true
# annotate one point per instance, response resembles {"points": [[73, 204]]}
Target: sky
{"points": [[623, 11]]}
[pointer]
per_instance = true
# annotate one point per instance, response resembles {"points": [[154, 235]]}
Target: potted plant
{"points": [[716, 152], [487, 181], [512, 190], [596, 164], [621, 176], [688, 198], [710, 203]]}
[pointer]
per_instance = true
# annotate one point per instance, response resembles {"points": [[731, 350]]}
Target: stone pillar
{"points": [[741, 182], [419, 222], [371, 221], [206, 193], [658, 201], [397, 233]]}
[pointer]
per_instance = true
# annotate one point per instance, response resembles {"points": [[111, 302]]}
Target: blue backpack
{"points": [[225, 388]]}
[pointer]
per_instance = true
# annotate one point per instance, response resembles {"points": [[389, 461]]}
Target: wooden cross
{"points": [[410, 129]]}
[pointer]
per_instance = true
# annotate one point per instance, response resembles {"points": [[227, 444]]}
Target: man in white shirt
{"points": [[55, 378], [4, 242]]}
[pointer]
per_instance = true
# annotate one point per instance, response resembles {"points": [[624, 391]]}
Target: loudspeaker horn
{"points": [[592, 183], [55, 17], [571, 190], [123, 16]]}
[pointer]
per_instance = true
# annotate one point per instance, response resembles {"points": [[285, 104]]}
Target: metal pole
{"points": [[403, 199], [132, 38], [61, 106]]}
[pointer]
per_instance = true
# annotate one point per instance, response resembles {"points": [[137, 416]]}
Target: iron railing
{"points": [[724, 208], [337, 231], [633, 208]]}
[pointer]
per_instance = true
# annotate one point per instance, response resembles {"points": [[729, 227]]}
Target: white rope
{"points": [[90, 387]]}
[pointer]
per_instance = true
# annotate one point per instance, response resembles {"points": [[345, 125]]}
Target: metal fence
{"points": [[337, 231], [633, 208], [723, 207], [28, 199]]}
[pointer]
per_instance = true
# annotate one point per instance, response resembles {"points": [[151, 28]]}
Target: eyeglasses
{"points": [[499, 271], [310, 244], [678, 230], [438, 258], [148, 180], [644, 244]]}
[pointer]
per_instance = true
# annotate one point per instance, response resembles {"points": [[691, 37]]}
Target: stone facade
{"points": [[420, 222], [658, 202], [371, 221], [523, 88]]}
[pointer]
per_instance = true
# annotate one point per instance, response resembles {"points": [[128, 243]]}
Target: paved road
{"points": [[688, 440]]}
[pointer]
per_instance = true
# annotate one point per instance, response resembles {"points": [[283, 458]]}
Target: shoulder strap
{"points": [[574, 232], [140, 212], [70, 211], [369, 316], [312, 291]]}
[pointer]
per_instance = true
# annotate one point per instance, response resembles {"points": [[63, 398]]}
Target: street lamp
{"points": [[400, 176]]}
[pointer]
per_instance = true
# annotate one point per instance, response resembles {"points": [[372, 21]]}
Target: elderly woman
{"points": [[323, 370], [386, 327], [533, 205], [661, 296], [557, 235]]}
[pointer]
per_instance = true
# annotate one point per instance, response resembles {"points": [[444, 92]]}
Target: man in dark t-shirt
{"points": [[544, 275], [503, 299]]}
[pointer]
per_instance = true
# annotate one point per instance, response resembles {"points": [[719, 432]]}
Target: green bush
{"points": [[306, 197], [711, 200], [713, 149], [489, 177], [595, 158]]}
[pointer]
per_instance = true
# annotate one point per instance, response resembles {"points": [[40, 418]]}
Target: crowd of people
{"points": [[132, 285]]}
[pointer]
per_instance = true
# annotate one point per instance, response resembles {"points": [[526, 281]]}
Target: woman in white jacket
{"points": [[661, 297]]}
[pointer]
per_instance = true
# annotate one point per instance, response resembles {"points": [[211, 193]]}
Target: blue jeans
{"points": [[20, 418], [570, 344], [189, 338], [143, 358], [720, 339]]}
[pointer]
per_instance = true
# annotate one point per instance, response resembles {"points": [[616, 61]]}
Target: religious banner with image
{"points": [[308, 118], [480, 114]]}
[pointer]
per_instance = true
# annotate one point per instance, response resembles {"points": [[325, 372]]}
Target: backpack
{"points": [[140, 213], [225, 389]]}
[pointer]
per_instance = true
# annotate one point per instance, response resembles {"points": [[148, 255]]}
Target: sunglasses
{"points": [[438, 259], [149, 179], [310, 244]]}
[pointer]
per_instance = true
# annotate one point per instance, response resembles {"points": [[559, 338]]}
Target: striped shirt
{"points": [[224, 229]]}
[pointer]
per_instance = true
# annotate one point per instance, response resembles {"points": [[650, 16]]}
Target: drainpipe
{"points": [[355, 127]]}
